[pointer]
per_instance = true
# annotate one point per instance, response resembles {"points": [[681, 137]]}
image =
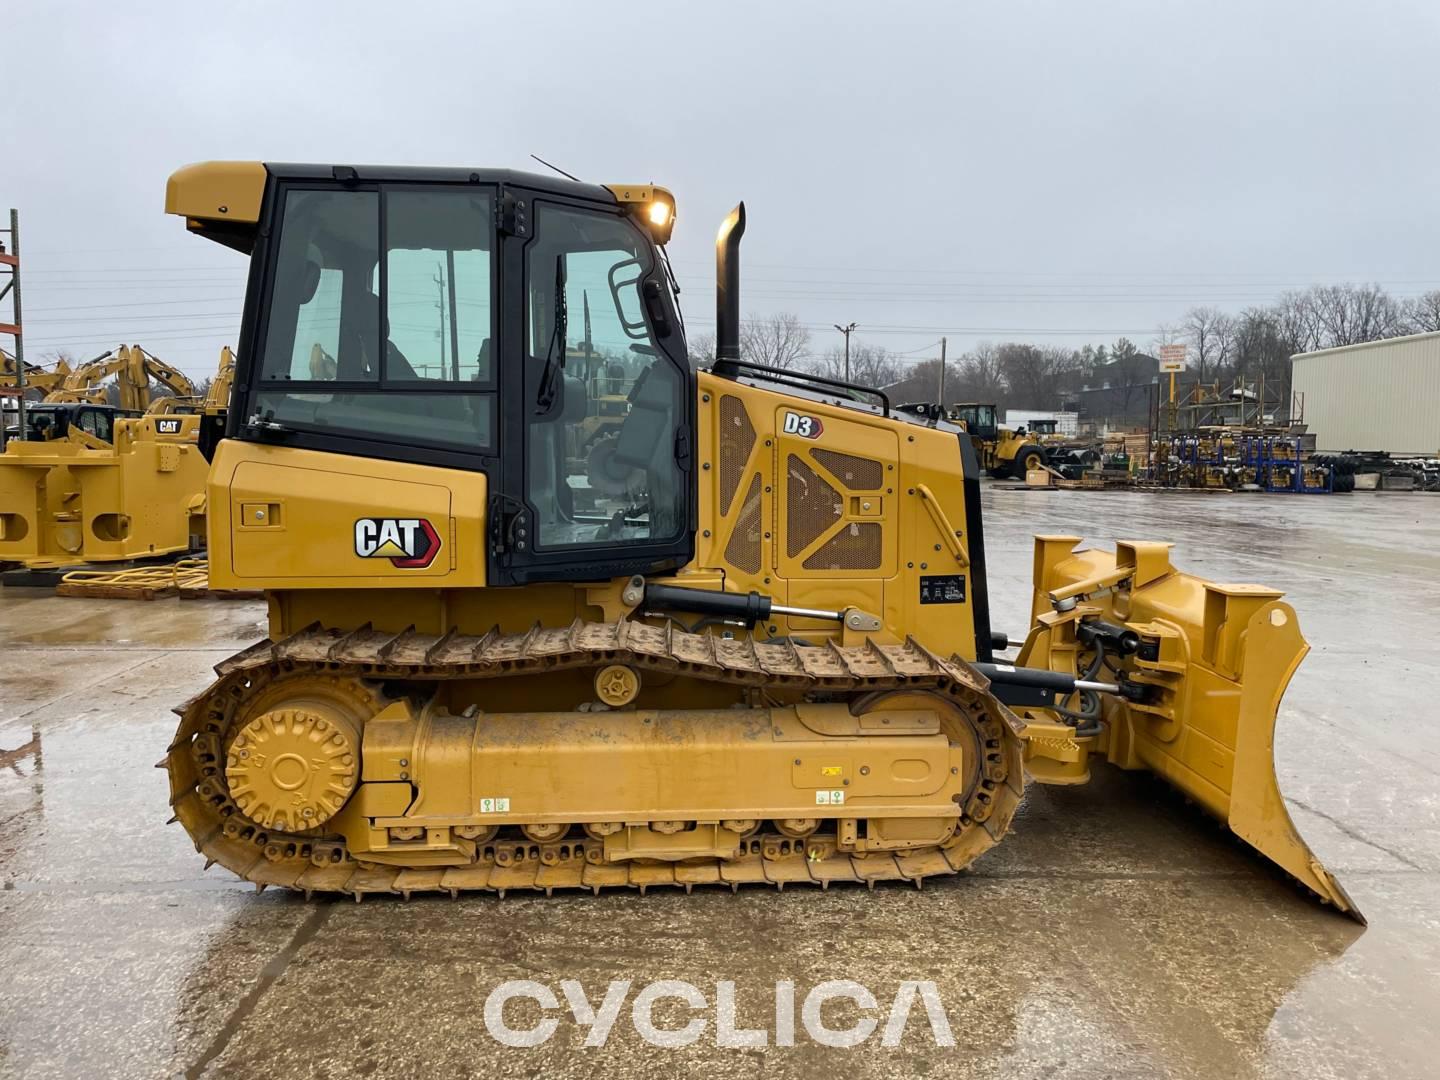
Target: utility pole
{"points": [[942, 375], [11, 258], [847, 331]]}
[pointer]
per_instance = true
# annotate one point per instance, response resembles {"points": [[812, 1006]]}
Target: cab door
{"points": [[592, 489]]}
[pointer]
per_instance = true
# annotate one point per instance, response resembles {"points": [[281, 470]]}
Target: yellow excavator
{"points": [[76, 408], [752, 644], [38, 380], [89, 482]]}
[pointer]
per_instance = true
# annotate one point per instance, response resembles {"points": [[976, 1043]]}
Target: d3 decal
{"points": [[409, 543], [807, 427]]}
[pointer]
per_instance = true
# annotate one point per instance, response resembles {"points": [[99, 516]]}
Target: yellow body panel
{"points": [[223, 190], [881, 479], [283, 519], [63, 503], [286, 519]]}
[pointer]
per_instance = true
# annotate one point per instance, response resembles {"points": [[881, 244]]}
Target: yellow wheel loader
{"points": [[747, 643], [1002, 452]]}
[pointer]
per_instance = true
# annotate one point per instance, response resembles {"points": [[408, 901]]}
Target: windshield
{"points": [[383, 334]]}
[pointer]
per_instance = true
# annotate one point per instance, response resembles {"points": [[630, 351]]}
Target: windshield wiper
{"points": [[550, 374]]}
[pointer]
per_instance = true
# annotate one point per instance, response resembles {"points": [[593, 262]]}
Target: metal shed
{"points": [[1382, 395]]}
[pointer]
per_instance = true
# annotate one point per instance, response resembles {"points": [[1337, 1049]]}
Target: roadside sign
{"points": [[1172, 358]]}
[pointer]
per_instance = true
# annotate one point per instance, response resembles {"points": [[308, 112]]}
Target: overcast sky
{"points": [[1055, 172]]}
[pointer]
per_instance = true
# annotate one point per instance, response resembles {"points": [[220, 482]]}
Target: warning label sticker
{"points": [[942, 589]]}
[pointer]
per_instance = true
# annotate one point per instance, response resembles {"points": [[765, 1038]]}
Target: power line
{"points": [[874, 328], [911, 268], [127, 319], [141, 303], [90, 268], [178, 333]]}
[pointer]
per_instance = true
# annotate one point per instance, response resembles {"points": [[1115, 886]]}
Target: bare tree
{"points": [[981, 377], [1167, 334], [1034, 375], [1422, 313], [1210, 334], [870, 365], [920, 383], [1298, 316], [1129, 370], [779, 340], [1263, 350], [1351, 314], [701, 348]]}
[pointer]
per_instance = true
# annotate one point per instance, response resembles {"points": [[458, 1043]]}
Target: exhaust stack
{"points": [[727, 285]]}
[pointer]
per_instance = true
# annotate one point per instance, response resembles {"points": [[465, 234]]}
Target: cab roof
{"points": [[221, 200]]}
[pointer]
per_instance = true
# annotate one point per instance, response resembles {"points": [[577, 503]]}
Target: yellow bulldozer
{"points": [[90, 482], [750, 645]]}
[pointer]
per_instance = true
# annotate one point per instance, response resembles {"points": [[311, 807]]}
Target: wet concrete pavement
{"points": [[1114, 933]]}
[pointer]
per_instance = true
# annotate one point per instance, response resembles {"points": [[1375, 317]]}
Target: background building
{"points": [[1382, 395], [1116, 395]]}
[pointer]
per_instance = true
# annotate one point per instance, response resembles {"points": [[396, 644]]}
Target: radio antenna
{"points": [[557, 168]]}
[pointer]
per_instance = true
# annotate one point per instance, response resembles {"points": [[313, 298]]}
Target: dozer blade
{"points": [[1214, 660]]}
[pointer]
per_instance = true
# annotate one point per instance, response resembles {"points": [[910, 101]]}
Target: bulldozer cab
{"points": [[451, 303], [978, 420]]}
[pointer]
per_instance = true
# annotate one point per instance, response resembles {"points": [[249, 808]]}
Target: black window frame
{"points": [[603, 560], [256, 330], [503, 461]]}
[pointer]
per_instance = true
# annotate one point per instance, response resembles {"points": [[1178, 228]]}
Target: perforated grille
{"points": [[737, 439], [743, 550], [856, 473], [811, 507], [855, 547]]}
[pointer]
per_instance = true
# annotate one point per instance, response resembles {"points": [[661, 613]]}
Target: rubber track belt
{"points": [[222, 834]]}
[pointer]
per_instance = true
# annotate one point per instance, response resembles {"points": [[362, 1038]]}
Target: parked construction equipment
{"points": [[94, 483], [1002, 451], [39, 381], [749, 643], [1238, 460]]}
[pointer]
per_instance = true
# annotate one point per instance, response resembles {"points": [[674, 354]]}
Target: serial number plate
{"points": [[942, 589]]}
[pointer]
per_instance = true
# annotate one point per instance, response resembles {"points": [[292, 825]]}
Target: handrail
{"points": [[731, 368]]}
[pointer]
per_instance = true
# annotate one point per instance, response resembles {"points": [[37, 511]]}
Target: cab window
{"points": [[383, 337], [603, 401], [97, 423]]}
